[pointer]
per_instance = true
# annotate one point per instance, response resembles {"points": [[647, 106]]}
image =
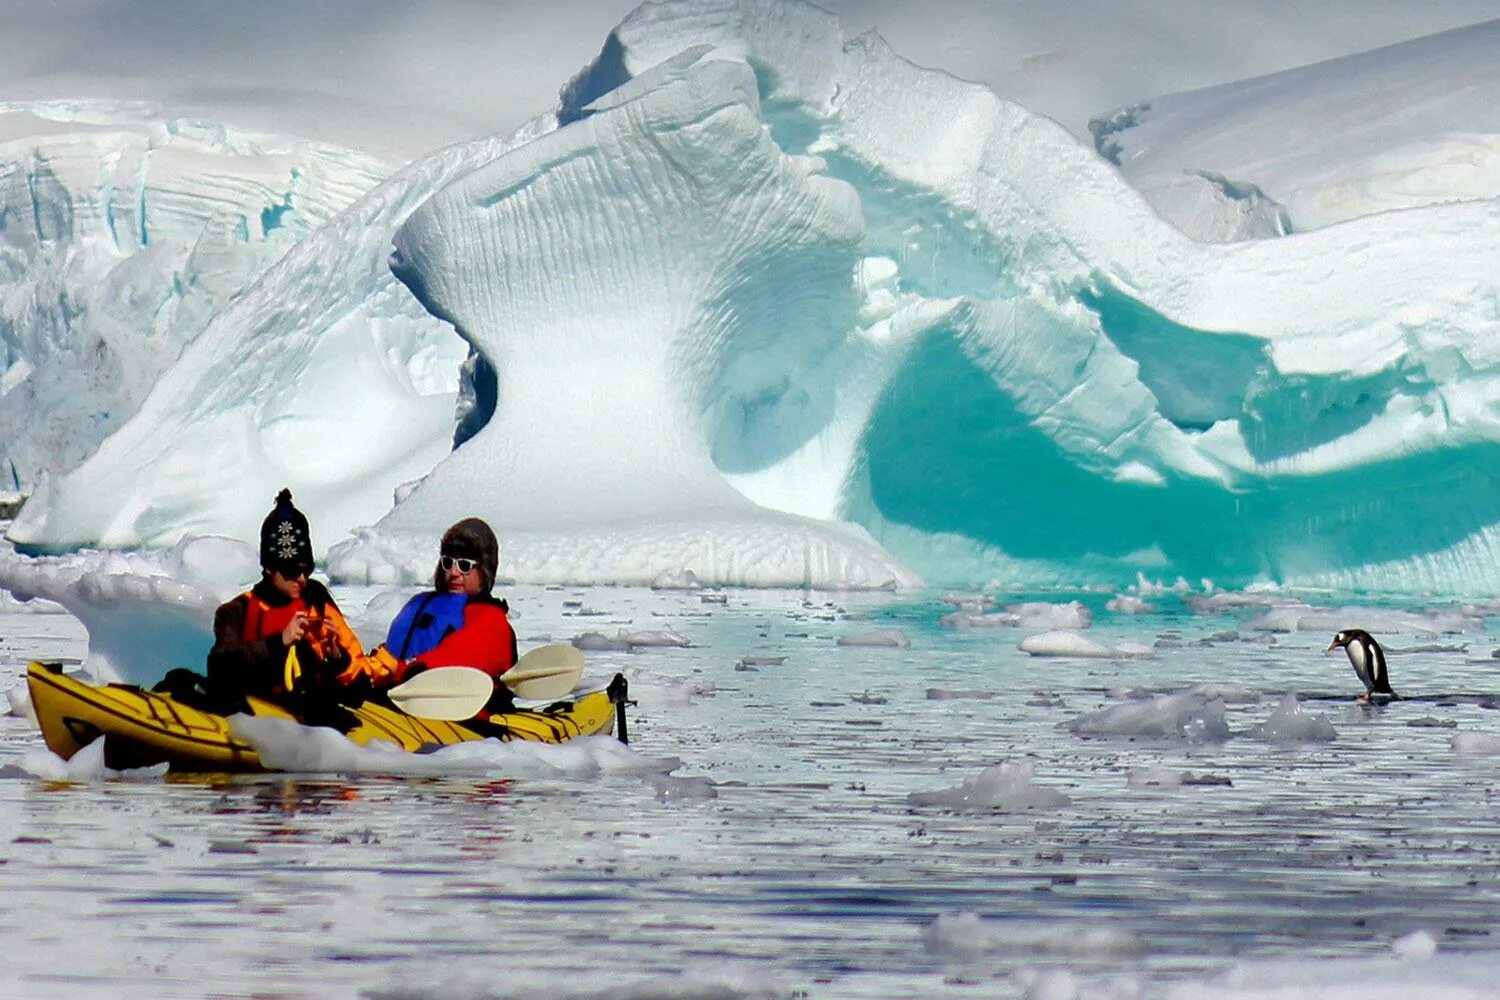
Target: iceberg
{"points": [[773, 306]]}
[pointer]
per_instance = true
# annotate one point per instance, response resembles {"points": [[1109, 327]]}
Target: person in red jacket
{"points": [[285, 638], [459, 622]]}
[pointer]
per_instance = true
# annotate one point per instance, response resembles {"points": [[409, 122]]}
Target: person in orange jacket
{"points": [[285, 639], [459, 622]]}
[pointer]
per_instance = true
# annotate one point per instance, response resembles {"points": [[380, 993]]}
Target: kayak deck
{"points": [[143, 728]]}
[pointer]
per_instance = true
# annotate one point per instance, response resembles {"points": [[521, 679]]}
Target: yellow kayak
{"points": [[142, 728]]}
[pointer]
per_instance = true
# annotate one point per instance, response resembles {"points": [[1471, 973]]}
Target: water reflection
{"points": [[808, 868]]}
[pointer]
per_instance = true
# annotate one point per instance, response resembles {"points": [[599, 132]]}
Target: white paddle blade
{"points": [[446, 693], [545, 672]]}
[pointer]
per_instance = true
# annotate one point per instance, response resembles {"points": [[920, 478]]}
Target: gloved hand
{"points": [[380, 666]]}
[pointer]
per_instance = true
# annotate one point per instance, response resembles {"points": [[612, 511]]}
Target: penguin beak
{"points": [[1335, 644]]}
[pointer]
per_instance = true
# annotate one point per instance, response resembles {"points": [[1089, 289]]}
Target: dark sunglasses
{"points": [[464, 565]]}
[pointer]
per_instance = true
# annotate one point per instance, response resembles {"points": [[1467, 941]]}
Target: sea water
{"points": [[801, 817]]}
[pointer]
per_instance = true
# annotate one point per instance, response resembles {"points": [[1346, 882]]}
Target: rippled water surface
{"points": [[798, 865]]}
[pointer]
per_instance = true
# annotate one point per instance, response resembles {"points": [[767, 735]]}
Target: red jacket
{"points": [[486, 641]]}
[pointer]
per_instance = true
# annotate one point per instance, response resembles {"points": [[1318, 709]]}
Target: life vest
{"points": [[425, 622], [264, 619], [326, 648]]}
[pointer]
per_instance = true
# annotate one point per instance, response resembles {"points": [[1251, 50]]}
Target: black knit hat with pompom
{"points": [[285, 542]]}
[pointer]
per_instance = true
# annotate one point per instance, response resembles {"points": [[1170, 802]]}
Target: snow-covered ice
{"points": [[1403, 126], [896, 299]]}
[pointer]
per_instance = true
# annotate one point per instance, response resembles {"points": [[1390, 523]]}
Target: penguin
{"points": [[1368, 660]]}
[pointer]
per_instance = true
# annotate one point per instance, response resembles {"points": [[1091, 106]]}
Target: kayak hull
{"points": [[144, 728]]}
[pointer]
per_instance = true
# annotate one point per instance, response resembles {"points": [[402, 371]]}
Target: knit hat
{"points": [[473, 539], [285, 543]]}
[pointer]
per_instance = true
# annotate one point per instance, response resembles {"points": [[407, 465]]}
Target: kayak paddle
{"points": [[545, 672], [456, 693], [450, 693]]}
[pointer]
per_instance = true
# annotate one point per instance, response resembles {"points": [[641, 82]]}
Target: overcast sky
{"points": [[399, 79]]}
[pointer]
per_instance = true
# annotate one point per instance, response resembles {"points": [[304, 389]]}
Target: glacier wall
{"points": [[323, 374], [122, 234], [766, 305]]}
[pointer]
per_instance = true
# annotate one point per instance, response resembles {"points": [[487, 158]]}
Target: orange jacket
{"points": [[249, 657]]}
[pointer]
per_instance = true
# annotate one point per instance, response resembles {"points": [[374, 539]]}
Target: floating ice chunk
{"points": [[671, 789], [598, 642], [1167, 777], [1475, 743], [962, 933], [1154, 777], [695, 980], [966, 934], [1224, 601], [1049, 984], [1006, 787], [1290, 723], [762, 661], [657, 638], [1416, 945], [970, 603], [1044, 615], [1069, 643], [1430, 647], [684, 579], [944, 694], [85, 767], [1299, 617], [1124, 693], [1281, 618], [1157, 588], [1063, 643], [141, 619], [656, 692], [284, 745], [1443, 976], [965, 620], [1232, 694], [18, 703], [629, 642], [887, 638], [1127, 605], [1029, 615], [1189, 714]]}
